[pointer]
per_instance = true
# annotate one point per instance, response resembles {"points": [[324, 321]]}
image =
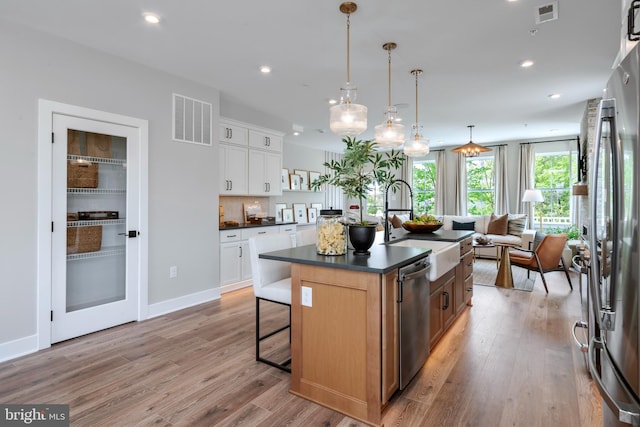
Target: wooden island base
{"points": [[344, 348]]}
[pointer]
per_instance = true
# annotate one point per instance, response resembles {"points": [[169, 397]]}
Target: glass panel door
{"points": [[96, 207], [94, 265]]}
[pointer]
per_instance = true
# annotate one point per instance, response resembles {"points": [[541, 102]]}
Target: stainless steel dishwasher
{"points": [[413, 301]]}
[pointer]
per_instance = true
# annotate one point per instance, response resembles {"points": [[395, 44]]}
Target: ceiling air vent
{"points": [[547, 12], [192, 120]]}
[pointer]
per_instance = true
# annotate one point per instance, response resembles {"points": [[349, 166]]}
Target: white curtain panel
{"points": [[525, 179], [461, 186], [440, 182], [501, 180], [333, 196]]}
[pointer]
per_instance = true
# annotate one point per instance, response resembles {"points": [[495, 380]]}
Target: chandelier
{"points": [[470, 149], [347, 118], [389, 134], [416, 145]]}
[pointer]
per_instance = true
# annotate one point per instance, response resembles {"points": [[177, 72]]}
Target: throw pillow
{"points": [[464, 225], [396, 222], [498, 224], [516, 226]]}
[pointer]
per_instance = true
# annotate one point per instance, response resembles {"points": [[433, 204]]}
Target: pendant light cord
{"points": [[348, 31]]}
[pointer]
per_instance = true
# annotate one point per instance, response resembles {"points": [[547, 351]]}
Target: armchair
{"points": [[546, 257]]}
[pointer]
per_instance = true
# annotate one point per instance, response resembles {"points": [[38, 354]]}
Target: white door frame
{"points": [[46, 110]]}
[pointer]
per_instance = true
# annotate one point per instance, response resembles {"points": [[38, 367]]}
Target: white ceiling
{"points": [[470, 51]]}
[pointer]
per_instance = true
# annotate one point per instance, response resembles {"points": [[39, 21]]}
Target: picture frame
{"points": [[304, 178], [279, 208], [287, 215], [312, 215], [294, 181], [251, 211], [317, 206], [313, 175], [284, 178], [300, 213]]}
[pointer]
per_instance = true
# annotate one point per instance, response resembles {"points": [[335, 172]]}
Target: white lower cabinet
{"points": [[235, 263]]}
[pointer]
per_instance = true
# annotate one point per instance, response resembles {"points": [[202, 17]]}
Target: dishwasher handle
{"points": [[412, 275]]}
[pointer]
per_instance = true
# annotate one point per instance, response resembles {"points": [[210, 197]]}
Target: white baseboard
{"points": [[164, 307], [20, 347], [235, 286]]}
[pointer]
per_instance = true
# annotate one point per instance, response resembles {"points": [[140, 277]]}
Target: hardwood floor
{"points": [[508, 361]]}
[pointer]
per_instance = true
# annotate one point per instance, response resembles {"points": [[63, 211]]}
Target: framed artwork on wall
{"points": [[279, 208], [295, 181], [287, 215], [284, 178], [300, 213], [312, 215], [317, 206], [304, 178], [313, 175]]}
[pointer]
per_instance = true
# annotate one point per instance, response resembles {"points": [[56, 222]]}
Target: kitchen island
{"points": [[344, 326]]}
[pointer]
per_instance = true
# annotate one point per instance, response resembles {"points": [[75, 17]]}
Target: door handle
{"points": [[132, 234], [446, 300]]}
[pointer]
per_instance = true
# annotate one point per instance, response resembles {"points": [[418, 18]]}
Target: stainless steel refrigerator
{"points": [[614, 288]]}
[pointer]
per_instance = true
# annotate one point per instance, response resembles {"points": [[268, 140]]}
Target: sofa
{"points": [[515, 233]]}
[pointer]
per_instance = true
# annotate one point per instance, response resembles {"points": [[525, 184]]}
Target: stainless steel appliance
{"points": [[614, 288], [413, 300]]}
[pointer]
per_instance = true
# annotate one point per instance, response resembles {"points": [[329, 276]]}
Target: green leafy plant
{"points": [[360, 168], [572, 231]]}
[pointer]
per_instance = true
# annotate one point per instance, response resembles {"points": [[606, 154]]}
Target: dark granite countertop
{"points": [[439, 235], [383, 258], [246, 225]]}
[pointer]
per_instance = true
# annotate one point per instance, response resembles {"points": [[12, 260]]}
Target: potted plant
{"points": [[361, 166]]}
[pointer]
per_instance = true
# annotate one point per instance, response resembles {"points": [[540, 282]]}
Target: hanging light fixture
{"points": [[347, 118], [389, 134], [470, 149], [416, 145]]}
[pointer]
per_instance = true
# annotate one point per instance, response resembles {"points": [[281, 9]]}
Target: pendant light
{"points": [[470, 149], [416, 145], [347, 118], [389, 134]]}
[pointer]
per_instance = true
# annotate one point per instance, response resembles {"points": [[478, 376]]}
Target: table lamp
{"points": [[533, 195]]}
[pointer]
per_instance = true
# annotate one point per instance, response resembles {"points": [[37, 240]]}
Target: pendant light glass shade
{"points": [[389, 134], [348, 118], [470, 149], [416, 145]]}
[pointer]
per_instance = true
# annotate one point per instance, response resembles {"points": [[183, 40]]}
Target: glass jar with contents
{"points": [[331, 233]]}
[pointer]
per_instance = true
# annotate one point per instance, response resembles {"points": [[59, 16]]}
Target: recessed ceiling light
{"points": [[332, 101], [296, 133], [265, 69], [151, 18], [526, 63], [554, 96]]}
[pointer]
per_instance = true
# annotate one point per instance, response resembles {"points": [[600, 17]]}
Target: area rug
{"points": [[485, 272]]}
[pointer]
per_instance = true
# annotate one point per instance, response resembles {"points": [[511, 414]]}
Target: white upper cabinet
{"points": [[265, 173], [265, 141], [233, 132], [233, 163]]}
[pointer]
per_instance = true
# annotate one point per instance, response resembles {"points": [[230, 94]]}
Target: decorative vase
{"points": [[362, 238]]}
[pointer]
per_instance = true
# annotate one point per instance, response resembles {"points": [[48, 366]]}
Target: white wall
{"points": [[182, 177]]}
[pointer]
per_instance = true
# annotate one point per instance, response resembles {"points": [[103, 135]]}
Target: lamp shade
{"points": [[533, 196]]}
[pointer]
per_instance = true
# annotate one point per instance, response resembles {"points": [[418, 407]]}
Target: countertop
{"points": [[246, 225], [439, 235], [383, 258]]}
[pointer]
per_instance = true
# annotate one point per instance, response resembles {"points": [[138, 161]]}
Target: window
{"points": [[375, 200], [553, 174], [424, 186], [480, 185]]}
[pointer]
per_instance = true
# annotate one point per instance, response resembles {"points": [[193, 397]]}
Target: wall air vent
{"points": [[192, 120], [547, 12]]}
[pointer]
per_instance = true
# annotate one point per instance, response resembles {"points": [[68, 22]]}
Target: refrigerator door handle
{"points": [[604, 313], [626, 413]]}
